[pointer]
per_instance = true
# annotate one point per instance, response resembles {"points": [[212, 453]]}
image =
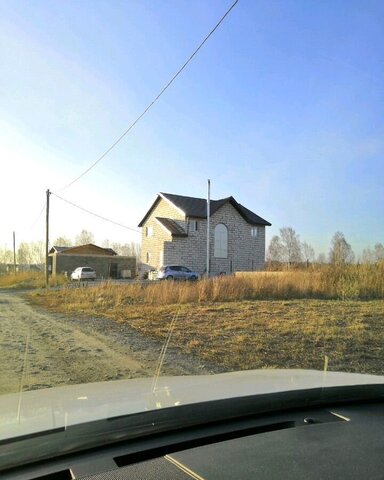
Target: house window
{"points": [[149, 231], [221, 241], [254, 232], [148, 257], [193, 226]]}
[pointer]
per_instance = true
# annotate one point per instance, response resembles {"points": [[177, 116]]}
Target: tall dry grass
{"points": [[29, 280], [364, 282], [348, 283]]}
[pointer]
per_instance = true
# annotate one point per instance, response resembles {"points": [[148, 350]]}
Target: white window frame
{"points": [[254, 232], [149, 231], [220, 241]]}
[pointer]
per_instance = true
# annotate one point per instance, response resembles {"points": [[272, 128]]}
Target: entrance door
{"points": [[113, 270]]}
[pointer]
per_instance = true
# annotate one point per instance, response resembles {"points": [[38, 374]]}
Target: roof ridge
{"points": [[197, 198]]}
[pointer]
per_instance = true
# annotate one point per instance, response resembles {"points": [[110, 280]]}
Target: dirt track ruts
{"points": [[40, 349]]}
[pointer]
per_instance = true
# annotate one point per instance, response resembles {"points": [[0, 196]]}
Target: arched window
{"points": [[221, 241]]}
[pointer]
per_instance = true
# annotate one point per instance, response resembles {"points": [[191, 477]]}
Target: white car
{"points": [[83, 273]]}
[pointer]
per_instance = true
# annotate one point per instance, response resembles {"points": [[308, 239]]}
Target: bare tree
{"points": [[128, 249], [275, 250], [308, 252], [24, 255], [6, 255], [379, 252], [84, 238], [341, 251], [291, 245], [63, 242], [375, 255], [321, 258], [368, 256], [27, 253], [131, 249], [37, 252]]}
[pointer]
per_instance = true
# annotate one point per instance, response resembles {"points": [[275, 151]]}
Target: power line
{"points": [[95, 214], [38, 217], [153, 101]]}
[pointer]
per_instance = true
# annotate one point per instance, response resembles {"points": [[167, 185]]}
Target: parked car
{"points": [[83, 273], [176, 272]]}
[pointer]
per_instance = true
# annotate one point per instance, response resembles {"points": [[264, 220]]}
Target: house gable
{"points": [[162, 223], [160, 206]]}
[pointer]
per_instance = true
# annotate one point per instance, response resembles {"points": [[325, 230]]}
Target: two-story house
{"points": [[174, 232]]}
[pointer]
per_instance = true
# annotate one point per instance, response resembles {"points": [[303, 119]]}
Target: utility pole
{"points": [[47, 241], [14, 253], [208, 223]]}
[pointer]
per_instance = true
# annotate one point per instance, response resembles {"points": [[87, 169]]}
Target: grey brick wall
{"points": [[245, 252], [154, 244]]}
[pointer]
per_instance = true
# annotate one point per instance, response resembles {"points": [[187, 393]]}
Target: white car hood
{"points": [[42, 410]]}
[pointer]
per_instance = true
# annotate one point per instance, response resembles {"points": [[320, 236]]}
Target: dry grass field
{"points": [[28, 280], [265, 320]]}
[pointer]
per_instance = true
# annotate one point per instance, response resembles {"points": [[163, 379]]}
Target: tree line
{"points": [[284, 249], [33, 253], [287, 249]]}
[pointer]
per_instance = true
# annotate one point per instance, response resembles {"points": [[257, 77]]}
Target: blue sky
{"points": [[282, 108]]}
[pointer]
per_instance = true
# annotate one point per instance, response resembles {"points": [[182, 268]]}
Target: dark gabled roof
{"points": [[192, 207], [249, 216], [56, 249], [197, 208], [173, 227]]}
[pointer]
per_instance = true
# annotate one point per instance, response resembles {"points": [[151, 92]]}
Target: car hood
{"points": [[48, 409]]}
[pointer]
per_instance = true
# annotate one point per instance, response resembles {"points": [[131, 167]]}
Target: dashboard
{"points": [[334, 441]]}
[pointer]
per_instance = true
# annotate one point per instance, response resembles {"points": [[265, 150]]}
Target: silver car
{"points": [[176, 272], [83, 273]]}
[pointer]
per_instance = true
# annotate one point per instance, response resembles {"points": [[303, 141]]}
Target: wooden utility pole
{"points": [[208, 223], [14, 253], [47, 242]]}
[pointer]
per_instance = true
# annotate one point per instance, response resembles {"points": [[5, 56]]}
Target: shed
{"points": [[105, 261]]}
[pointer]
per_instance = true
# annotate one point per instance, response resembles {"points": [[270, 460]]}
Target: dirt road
{"points": [[40, 349]]}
